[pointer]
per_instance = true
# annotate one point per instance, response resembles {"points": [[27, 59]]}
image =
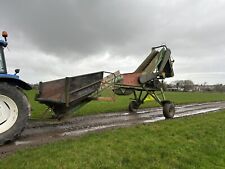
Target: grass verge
{"points": [[187, 143], [121, 103]]}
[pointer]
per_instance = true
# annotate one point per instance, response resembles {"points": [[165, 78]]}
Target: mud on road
{"points": [[38, 132]]}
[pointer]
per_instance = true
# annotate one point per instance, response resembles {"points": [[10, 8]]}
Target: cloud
{"points": [[49, 35], [79, 27]]}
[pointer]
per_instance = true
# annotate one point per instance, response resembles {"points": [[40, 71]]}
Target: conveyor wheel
{"points": [[168, 109], [133, 106]]}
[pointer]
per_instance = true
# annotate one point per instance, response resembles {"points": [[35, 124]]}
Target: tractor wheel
{"points": [[133, 106], [14, 112], [168, 110]]}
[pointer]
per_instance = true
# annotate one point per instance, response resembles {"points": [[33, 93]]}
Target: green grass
{"points": [[38, 110], [188, 143], [121, 103]]}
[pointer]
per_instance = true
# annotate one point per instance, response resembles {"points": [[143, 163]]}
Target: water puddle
{"points": [[182, 115], [82, 131], [154, 120], [196, 112], [17, 143]]}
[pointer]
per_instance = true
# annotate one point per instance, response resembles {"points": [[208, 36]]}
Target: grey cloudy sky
{"points": [[52, 39]]}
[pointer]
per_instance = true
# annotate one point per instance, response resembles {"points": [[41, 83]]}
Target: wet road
{"points": [[38, 133]]}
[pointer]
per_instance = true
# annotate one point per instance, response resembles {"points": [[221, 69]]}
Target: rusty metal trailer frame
{"points": [[67, 94]]}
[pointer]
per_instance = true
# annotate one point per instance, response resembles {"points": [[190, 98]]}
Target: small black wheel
{"points": [[168, 109], [133, 106], [14, 112]]}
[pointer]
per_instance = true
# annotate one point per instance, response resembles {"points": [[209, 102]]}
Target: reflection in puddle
{"points": [[78, 132], [196, 112], [154, 120], [17, 143]]}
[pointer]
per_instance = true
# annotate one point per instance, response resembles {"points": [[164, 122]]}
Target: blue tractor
{"points": [[14, 106]]}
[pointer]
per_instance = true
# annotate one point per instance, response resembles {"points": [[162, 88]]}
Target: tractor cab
{"points": [[3, 68], [3, 43], [2, 60], [12, 79]]}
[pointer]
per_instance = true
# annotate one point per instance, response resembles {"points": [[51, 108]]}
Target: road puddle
{"points": [[18, 143], [82, 131], [154, 120], [196, 112]]}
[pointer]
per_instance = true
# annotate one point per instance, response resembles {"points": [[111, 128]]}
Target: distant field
{"points": [[188, 143], [121, 103]]}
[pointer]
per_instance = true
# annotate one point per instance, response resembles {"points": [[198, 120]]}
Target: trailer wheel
{"points": [[168, 110], [14, 112], [133, 106]]}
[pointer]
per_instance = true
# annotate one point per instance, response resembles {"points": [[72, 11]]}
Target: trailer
{"points": [[70, 93]]}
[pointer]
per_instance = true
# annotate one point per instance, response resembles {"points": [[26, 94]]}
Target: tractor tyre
{"points": [[168, 110], [14, 112], [133, 106]]}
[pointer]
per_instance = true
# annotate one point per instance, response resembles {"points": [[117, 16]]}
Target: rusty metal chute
{"points": [[148, 77]]}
